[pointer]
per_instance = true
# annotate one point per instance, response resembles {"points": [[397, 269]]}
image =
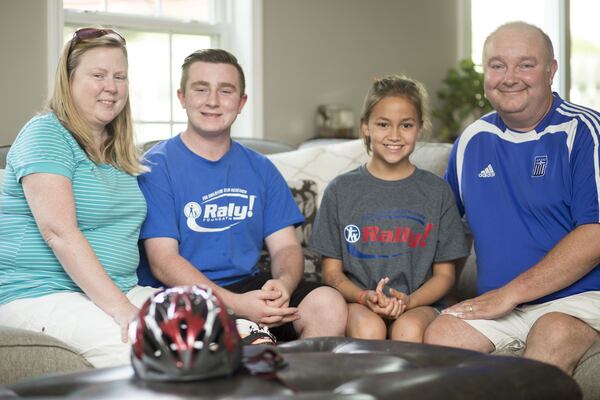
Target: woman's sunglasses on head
{"points": [[83, 34]]}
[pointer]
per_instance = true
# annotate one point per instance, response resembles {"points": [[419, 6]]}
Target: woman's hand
{"points": [[123, 316]]}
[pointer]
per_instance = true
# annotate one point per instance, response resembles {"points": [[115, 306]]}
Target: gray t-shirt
{"points": [[383, 228]]}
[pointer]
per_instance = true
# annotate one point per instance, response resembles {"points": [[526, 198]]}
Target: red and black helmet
{"points": [[184, 333]]}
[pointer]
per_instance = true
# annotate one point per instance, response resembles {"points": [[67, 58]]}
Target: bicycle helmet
{"points": [[184, 333]]}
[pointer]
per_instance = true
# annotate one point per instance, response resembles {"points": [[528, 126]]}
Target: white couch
{"points": [[319, 164]]}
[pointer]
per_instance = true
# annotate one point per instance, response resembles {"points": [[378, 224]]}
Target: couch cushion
{"points": [[320, 164], [27, 354], [586, 373], [432, 157]]}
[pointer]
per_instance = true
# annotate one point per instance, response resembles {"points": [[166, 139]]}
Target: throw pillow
{"points": [[304, 192]]}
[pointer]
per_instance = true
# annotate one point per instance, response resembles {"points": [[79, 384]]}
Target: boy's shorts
{"points": [[510, 332], [285, 332]]}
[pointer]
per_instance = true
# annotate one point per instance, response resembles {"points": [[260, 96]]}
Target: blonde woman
{"points": [[71, 209]]}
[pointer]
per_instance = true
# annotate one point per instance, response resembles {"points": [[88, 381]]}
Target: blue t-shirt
{"points": [[523, 192], [220, 212]]}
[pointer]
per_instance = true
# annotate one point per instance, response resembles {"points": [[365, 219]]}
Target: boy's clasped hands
{"points": [[389, 306]]}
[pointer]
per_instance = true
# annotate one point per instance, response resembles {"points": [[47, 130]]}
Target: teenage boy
{"points": [[213, 203]]}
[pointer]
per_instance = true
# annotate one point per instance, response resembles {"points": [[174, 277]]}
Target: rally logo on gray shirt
{"points": [[352, 233], [392, 227]]}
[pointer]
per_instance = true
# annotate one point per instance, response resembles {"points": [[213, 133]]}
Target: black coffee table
{"points": [[336, 368]]}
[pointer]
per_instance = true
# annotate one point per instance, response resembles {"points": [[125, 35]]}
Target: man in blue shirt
{"points": [[527, 177], [213, 203]]}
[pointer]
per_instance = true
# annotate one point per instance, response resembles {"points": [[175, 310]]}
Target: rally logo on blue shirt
{"points": [[539, 166], [387, 228], [219, 210]]}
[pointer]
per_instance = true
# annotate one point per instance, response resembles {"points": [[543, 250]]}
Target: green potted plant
{"points": [[461, 100]]}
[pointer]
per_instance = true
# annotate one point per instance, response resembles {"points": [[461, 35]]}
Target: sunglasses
{"points": [[83, 34]]}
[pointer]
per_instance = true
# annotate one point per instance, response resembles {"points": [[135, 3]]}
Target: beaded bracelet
{"points": [[361, 296]]}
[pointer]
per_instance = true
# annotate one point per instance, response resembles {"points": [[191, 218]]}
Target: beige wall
{"points": [[328, 51], [315, 51], [23, 66]]}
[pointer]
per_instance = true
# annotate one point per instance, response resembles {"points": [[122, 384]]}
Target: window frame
{"points": [[238, 30], [559, 35]]}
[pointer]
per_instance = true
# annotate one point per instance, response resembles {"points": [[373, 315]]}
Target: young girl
{"points": [[388, 231]]}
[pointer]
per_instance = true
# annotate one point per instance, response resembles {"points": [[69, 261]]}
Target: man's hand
{"points": [[253, 306], [277, 285], [491, 305]]}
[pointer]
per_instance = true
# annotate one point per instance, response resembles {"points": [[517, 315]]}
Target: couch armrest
{"points": [[26, 354]]}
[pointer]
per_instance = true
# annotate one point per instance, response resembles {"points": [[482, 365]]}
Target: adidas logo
{"points": [[488, 172]]}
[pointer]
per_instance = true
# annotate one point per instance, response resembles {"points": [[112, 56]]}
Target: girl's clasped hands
{"points": [[389, 306]]}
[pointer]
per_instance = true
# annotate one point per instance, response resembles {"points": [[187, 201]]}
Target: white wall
{"points": [[328, 51], [23, 76]]}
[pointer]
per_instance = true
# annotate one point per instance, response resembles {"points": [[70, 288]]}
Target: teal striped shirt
{"points": [[109, 205]]}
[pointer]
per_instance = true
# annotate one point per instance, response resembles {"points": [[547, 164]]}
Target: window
{"points": [[585, 53], [578, 58], [486, 16], [159, 34]]}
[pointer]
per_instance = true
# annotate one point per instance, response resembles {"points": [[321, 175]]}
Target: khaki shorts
{"points": [[510, 332], [74, 318]]}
